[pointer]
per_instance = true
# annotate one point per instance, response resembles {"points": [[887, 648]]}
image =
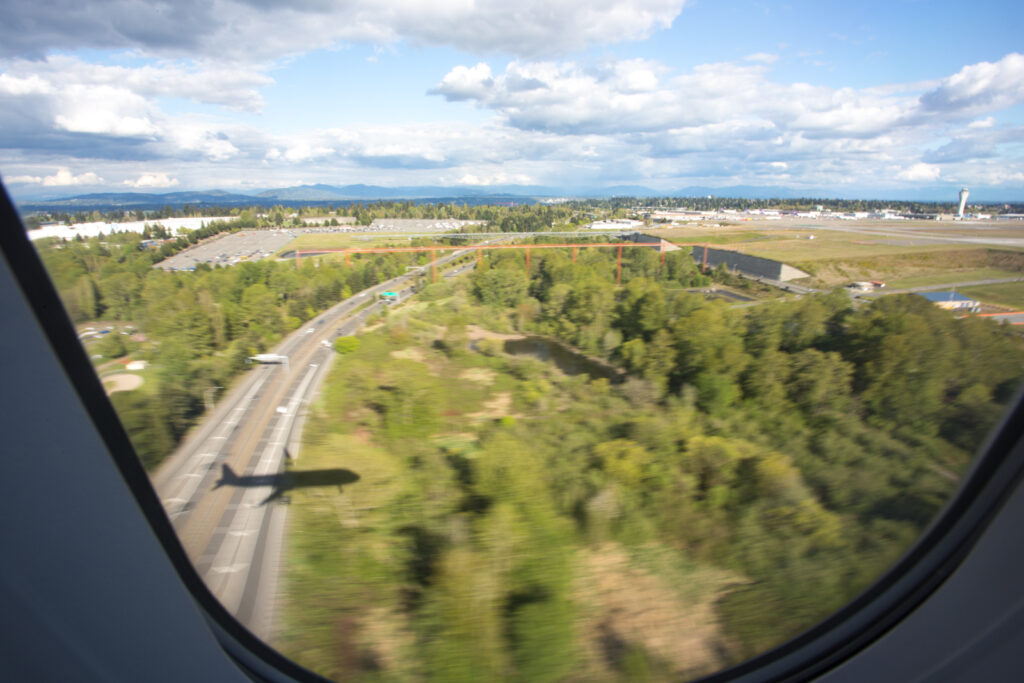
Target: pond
{"points": [[568, 361]]}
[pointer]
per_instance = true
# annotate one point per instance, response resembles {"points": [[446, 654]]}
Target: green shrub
{"points": [[345, 345]]}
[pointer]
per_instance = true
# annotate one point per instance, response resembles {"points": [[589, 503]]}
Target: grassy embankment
{"points": [[916, 268], [1008, 294], [836, 257]]}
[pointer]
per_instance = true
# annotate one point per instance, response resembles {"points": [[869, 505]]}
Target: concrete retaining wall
{"points": [[754, 266], [748, 265]]}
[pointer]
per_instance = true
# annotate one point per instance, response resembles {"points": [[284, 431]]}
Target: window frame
{"points": [[996, 471]]}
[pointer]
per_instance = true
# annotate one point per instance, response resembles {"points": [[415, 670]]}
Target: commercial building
{"points": [[952, 301]]}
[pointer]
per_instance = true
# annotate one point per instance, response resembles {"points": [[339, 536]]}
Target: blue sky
{"points": [[831, 98]]}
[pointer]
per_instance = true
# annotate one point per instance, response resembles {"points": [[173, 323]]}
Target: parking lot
{"points": [[250, 245]]}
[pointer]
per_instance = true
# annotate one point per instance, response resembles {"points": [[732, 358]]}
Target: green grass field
{"points": [[916, 268], [717, 236], [334, 240], [1009, 294], [790, 244], [951, 276], [833, 246]]}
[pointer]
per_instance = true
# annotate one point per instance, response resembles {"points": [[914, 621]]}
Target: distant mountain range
{"points": [[324, 194], [320, 193]]}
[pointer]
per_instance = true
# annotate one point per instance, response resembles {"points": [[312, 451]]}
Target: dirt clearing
{"points": [[480, 375], [410, 354], [497, 407], [628, 605], [122, 382]]}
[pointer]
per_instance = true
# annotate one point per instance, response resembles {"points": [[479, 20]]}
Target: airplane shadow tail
{"points": [[227, 477]]}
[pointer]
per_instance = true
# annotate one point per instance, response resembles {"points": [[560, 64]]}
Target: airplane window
{"points": [[483, 422]]}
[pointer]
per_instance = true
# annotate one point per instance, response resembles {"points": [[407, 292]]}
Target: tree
{"points": [[463, 616], [904, 350], [259, 309], [345, 345], [500, 287], [82, 300], [111, 346], [819, 381], [709, 342], [641, 309]]}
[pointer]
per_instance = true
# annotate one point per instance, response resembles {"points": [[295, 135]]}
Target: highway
{"points": [[218, 486]]}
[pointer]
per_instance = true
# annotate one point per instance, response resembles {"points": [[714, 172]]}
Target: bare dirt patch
{"points": [[122, 382], [498, 406], [410, 354], [387, 635], [480, 375], [627, 605]]}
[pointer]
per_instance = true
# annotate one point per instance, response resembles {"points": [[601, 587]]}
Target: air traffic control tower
{"points": [[963, 202]]}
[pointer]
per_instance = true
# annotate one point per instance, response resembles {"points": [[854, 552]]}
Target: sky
{"points": [[832, 98]]}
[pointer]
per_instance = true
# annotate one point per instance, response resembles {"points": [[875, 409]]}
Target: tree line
{"points": [[200, 326]]}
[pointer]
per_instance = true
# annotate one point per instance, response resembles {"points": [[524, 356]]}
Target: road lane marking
{"points": [[242, 539], [191, 487]]}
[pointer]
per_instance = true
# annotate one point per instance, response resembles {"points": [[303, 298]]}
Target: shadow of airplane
{"points": [[286, 481]]}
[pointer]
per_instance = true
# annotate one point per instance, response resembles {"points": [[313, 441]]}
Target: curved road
{"points": [[218, 486]]}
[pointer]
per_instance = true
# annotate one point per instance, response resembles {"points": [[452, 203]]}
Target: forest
{"points": [[199, 327], [754, 469], [512, 218]]}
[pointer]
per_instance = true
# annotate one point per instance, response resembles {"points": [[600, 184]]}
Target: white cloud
{"points": [[464, 83], [919, 172], [226, 28], [24, 179], [733, 119], [62, 178], [232, 85], [636, 96], [762, 57], [558, 122], [201, 137], [152, 180], [496, 178], [32, 84], [303, 151], [979, 88], [97, 111], [1008, 177], [104, 110]]}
